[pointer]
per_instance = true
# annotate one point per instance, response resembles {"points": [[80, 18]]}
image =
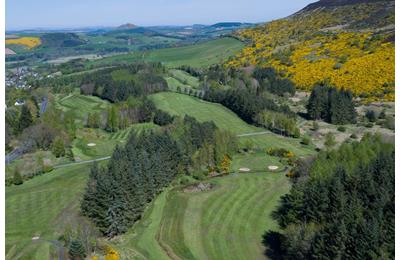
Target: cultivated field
{"points": [[29, 42]]}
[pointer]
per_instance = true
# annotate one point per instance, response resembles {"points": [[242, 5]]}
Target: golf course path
{"points": [[82, 162]]}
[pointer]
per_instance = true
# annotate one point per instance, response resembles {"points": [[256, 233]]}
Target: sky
{"points": [[25, 14]]}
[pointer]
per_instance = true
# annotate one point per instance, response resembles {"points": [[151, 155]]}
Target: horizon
{"points": [[101, 13]]}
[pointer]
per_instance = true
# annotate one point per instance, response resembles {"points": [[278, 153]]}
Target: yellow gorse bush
{"points": [[304, 50], [29, 42]]}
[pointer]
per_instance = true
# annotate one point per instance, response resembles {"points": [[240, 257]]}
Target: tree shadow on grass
{"points": [[273, 242]]}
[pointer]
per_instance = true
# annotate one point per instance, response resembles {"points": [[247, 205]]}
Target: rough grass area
{"points": [[197, 55], [226, 222], [38, 206]]}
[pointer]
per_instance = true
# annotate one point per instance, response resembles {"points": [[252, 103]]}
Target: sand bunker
{"points": [[35, 238], [244, 170], [198, 187], [91, 144], [273, 167]]}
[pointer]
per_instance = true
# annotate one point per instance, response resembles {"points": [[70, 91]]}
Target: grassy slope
{"points": [[180, 104], [198, 55], [81, 105], [38, 206]]}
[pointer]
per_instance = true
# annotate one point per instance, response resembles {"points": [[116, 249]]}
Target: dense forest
{"points": [[341, 205]]}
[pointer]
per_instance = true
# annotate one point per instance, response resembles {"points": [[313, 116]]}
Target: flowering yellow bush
{"points": [[111, 254], [312, 48], [29, 42]]}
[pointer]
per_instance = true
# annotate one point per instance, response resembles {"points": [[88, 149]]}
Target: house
{"points": [[19, 102]]}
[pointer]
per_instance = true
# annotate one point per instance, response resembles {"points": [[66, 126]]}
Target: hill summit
{"points": [[127, 26]]}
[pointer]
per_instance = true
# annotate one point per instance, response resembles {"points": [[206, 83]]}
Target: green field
{"points": [[197, 55], [225, 223], [81, 105], [185, 78], [39, 207], [180, 104]]}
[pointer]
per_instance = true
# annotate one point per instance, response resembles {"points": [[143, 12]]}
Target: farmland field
{"points": [[198, 55], [29, 42]]}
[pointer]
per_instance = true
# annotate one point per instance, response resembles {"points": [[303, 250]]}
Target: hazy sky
{"points": [[75, 13]]}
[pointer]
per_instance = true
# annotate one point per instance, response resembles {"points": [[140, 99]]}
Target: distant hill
{"points": [[227, 24], [126, 26], [349, 43], [61, 40]]}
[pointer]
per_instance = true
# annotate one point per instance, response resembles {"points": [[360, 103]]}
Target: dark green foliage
{"points": [[305, 140], [162, 118], [25, 118], [341, 206], [341, 129], [57, 147], [17, 178], [371, 115], [76, 250], [244, 103], [269, 80], [331, 105]]}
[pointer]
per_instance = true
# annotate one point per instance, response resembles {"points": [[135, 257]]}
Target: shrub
{"points": [[353, 136], [305, 140], [341, 129], [280, 152], [315, 126], [17, 178]]}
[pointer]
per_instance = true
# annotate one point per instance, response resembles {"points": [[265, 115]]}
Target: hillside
{"points": [[349, 43]]}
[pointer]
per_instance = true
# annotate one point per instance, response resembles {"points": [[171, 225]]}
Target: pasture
{"points": [[196, 55]]}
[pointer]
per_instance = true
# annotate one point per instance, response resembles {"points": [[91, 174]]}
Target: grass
{"points": [[81, 105], [180, 104], [227, 222], [197, 55], [37, 207], [185, 78]]}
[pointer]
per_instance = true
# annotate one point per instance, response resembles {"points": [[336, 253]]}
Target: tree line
{"points": [[331, 105]]}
